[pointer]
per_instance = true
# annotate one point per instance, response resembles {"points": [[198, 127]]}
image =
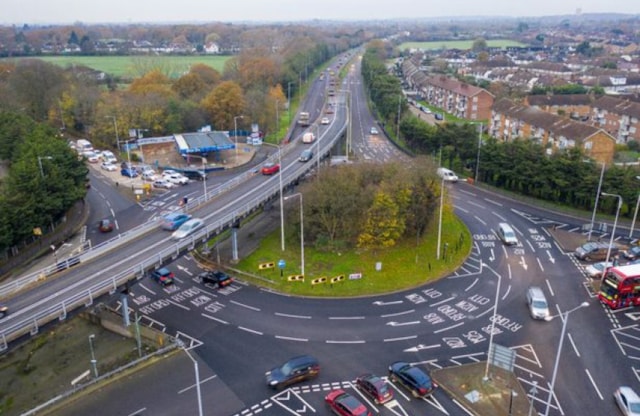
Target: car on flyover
{"points": [[306, 155], [343, 404], [4, 311], [270, 168], [187, 228], [174, 220], [412, 378]]}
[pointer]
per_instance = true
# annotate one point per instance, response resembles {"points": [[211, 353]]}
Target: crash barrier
{"points": [[337, 279], [269, 265], [296, 278], [319, 280]]}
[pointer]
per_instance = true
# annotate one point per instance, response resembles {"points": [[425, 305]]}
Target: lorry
{"points": [[303, 118], [308, 137]]}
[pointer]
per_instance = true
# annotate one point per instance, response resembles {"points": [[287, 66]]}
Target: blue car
{"points": [[173, 221], [129, 172], [412, 378]]}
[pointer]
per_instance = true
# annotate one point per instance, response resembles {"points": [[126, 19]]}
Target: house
{"points": [[510, 121], [574, 106], [618, 116]]}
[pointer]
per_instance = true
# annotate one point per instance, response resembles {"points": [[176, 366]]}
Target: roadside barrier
{"points": [[319, 280], [269, 265], [337, 279], [296, 278]]}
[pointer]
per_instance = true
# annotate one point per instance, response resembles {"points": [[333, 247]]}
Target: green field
{"points": [[134, 66], [457, 44]]}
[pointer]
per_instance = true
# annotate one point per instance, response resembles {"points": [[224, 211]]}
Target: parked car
{"points": [[108, 166], [632, 253], [175, 178], [537, 303], [596, 270], [105, 225], [172, 221], [92, 157], [506, 234], [376, 388], [187, 228], [162, 183], [4, 311], [270, 168], [149, 176], [216, 277], [412, 378], [373, 131], [627, 400], [293, 371], [129, 172], [596, 250], [163, 276], [108, 156], [306, 155], [343, 404], [438, 116]]}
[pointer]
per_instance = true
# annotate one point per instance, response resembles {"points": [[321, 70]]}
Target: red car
{"points": [[270, 168], [344, 404], [105, 226], [374, 387]]}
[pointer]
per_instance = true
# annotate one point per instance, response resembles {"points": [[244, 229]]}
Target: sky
{"points": [[21, 12]]}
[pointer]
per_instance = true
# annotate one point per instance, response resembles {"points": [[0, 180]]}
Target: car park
{"points": [[537, 303], [163, 276], [373, 131], [108, 166], [105, 225], [596, 270], [216, 277], [375, 388], [175, 178], [632, 253], [415, 380], [343, 404], [129, 172], [295, 370], [270, 168], [162, 183], [188, 228], [306, 155], [595, 251], [174, 220], [627, 400], [506, 234]]}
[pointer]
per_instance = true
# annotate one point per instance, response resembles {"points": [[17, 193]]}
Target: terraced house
{"points": [[618, 116], [510, 121]]}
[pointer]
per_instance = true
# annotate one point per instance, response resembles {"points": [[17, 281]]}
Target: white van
{"points": [[83, 145], [506, 234], [447, 175], [308, 137]]}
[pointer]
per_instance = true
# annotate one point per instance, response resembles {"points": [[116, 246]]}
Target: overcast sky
{"points": [[160, 11]]}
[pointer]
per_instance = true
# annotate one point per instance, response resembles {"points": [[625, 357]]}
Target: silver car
{"points": [[187, 228], [537, 302]]}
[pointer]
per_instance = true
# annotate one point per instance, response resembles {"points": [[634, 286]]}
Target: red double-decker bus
{"points": [[621, 286]]}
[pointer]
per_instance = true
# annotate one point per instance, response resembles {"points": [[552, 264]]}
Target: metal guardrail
{"points": [[74, 299]]}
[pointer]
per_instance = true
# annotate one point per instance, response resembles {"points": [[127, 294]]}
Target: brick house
{"points": [[575, 106], [458, 98], [617, 116]]}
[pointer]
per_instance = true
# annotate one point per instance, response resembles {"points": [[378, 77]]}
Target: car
{"points": [[373, 131], [596, 270], [163, 276], [308, 137], [595, 251], [175, 178], [108, 156], [438, 116], [196, 175], [306, 155], [172, 221], [105, 225], [632, 253], [506, 234], [537, 303], [149, 175], [128, 165], [162, 183], [627, 400], [187, 228], [92, 157], [129, 172], [374, 387], [4, 311], [324, 120], [343, 404], [447, 175], [295, 370], [108, 166], [216, 277], [270, 168], [412, 378]]}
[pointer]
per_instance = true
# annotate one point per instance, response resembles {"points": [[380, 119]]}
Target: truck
{"points": [[308, 137], [304, 119]]}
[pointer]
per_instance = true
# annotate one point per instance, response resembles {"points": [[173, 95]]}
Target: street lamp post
{"points": [[40, 164], [301, 232], [235, 133], [493, 324], [277, 119], [289, 99], [195, 369], [94, 363], [635, 213], [115, 126], [348, 120], [533, 392], [319, 150], [595, 205], [440, 219], [475, 179], [513, 394], [565, 317], [615, 223], [281, 196]]}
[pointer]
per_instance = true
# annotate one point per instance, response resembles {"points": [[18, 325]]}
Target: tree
{"points": [[223, 103], [479, 45], [383, 224]]}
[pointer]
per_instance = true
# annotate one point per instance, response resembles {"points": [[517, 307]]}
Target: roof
{"points": [[203, 142], [618, 106], [455, 86], [560, 100]]}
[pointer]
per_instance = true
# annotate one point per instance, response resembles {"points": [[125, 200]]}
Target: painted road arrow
{"points": [[421, 347], [402, 323], [381, 303], [523, 263], [492, 257], [551, 259]]}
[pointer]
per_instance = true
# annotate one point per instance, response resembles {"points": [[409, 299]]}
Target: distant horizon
{"points": [[119, 12]]}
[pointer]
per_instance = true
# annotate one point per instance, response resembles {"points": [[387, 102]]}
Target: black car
{"points": [[3, 311], [163, 276], [216, 277], [293, 371], [196, 175], [412, 378]]}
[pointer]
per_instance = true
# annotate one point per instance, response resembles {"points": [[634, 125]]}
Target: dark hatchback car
{"points": [[344, 404], [374, 387], [216, 277], [412, 378], [196, 175], [105, 226], [293, 371], [163, 276]]}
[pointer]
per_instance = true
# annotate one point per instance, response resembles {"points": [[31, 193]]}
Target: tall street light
{"points": [[195, 369], [440, 219], [493, 324], [635, 213], [281, 196], [301, 231], [40, 164], [348, 92], [475, 179], [289, 99], [615, 223], [115, 126], [94, 363], [235, 133], [595, 204], [565, 317]]}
